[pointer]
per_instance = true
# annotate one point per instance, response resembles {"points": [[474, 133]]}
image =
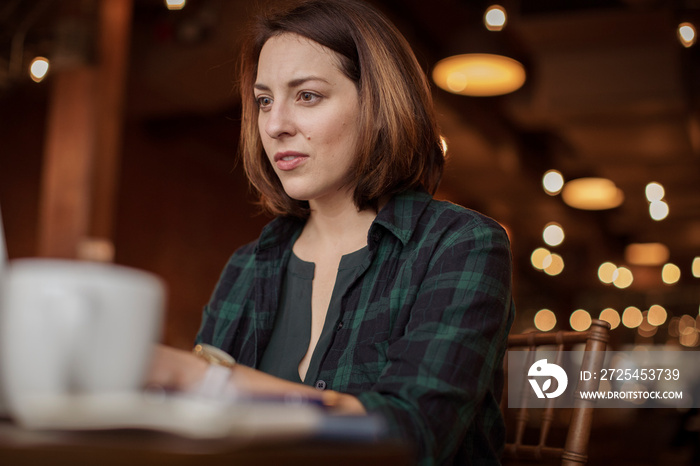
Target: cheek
{"points": [[267, 149]]}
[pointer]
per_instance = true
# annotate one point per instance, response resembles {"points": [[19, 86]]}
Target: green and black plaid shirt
{"points": [[422, 331]]}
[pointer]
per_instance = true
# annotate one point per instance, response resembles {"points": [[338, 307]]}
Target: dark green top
{"points": [[422, 331], [292, 331]]}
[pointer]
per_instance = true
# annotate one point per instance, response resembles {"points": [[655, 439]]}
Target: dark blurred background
{"points": [[126, 151]]}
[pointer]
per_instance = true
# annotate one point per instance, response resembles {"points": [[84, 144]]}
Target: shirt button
{"points": [[340, 325], [321, 384]]}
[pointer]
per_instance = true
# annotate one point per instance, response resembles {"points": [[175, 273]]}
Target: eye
{"points": [[264, 102], [309, 97]]}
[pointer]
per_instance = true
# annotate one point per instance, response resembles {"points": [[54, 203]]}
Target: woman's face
{"points": [[308, 119]]}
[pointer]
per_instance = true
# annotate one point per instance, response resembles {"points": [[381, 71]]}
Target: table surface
{"points": [[20, 447]]}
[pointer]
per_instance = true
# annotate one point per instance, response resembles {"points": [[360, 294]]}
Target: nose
{"points": [[278, 121]]}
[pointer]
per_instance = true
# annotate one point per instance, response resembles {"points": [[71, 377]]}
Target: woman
{"points": [[364, 290]]}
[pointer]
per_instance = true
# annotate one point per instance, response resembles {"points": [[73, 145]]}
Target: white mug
{"points": [[69, 328]]}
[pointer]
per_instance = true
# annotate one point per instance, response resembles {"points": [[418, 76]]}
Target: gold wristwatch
{"points": [[214, 355]]}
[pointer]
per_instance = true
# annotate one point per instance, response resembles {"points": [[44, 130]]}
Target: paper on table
{"points": [[177, 414]]}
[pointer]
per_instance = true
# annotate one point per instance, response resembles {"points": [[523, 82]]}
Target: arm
{"points": [[441, 383], [181, 370]]}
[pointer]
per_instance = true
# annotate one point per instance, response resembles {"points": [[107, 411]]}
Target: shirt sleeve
{"points": [[442, 385], [225, 306]]}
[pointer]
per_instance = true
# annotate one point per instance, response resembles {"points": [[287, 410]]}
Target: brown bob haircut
{"points": [[399, 144]]}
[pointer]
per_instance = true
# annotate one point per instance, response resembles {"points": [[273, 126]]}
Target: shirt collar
{"points": [[400, 215], [281, 230]]}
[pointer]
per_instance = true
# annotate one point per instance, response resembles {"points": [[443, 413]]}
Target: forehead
{"points": [[292, 54]]}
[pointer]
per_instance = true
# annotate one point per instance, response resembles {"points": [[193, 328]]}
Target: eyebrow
{"points": [[293, 83]]}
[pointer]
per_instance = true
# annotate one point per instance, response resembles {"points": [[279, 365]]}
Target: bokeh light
{"points": [[580, 320], [552, 182], [495, 18], [606, 272], [632, 317], [646, 253], [545, 320], [622, 277], [690, 340], [645, 329], [658, 210], [555, 266], [175, 4], [670, 274], [654, 192], [553, 234], [686, 325], [610, 316], [657, 315], [687, 35], [540, 258], [38, 69]]}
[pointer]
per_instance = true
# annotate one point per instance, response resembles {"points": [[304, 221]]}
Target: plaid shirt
{"points": [[422, 331]]}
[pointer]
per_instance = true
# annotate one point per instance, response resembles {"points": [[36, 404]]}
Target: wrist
{"points": [[214, 379], [214, 355]]}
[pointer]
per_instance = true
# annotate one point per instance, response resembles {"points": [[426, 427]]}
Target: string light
{"points": [[552, 182], [606, 272], [495, 18], [553, 234], [580, 320], [38, 69], [611, 316], [670, 274], [556, 265], [687, 35], [632, 317], [654, 192], [545, 320], [657, 315], [540, 258], [623, 278], [658, 210]]}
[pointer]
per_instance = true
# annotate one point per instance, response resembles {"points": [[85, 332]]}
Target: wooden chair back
{"points": [[575, 448]]}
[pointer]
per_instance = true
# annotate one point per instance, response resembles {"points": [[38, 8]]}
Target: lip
{"points": [[289, 160]]}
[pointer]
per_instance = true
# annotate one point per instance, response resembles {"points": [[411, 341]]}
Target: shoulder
{"points": [[451, 223], [237, 272], [415, 216], [275, 237], [279, 232]]}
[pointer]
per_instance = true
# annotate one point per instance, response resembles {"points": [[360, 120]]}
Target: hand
{"points": [[257, 382], [175, 369]]}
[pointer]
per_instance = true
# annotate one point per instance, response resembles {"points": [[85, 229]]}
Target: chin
{"points": [[304, 192], [297, 194]]}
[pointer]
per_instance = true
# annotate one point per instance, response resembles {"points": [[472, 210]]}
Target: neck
{"points": [[337, 225]]}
